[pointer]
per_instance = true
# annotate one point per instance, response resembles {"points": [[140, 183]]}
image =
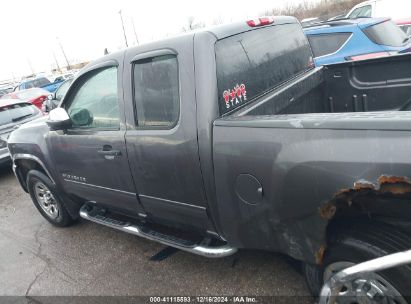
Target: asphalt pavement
{"points": [[38, 259]]}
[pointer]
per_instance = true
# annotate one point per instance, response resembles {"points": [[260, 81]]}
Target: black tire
{"points": [[361, 243], [63, 219]]}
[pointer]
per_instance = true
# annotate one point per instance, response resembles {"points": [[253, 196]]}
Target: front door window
{"points": [[95, 103]]}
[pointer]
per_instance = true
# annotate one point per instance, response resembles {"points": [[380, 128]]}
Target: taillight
{"points": [[403, 22], [260, 21], [368, 56]]}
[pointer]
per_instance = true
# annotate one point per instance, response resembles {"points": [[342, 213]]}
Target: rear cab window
{"points": [[253, 63], [386, 33]]}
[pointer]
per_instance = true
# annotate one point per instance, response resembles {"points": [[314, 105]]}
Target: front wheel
{"points": [[46, 199], [359, 244]]}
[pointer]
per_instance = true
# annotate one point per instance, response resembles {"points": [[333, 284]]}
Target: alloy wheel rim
{"points": [[371, 288], [46, 200]]}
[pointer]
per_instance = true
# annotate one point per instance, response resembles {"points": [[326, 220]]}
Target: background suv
{"points": [[356, 39]]}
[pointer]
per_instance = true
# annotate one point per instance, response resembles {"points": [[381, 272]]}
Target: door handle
{"points": [[111, 152], [108, 153]]}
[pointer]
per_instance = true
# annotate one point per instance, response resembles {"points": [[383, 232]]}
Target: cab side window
{"points": [[156, 92], [94, 103], [327, 44]]}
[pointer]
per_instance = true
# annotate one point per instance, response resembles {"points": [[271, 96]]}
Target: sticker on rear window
{"points": [[235, 96]]}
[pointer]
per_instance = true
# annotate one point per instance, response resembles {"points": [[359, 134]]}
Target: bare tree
{"points": [[192, 24], [323, 9], [218, 20]]}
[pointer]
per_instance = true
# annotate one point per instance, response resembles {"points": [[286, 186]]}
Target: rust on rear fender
{"points": [[365, 198]]}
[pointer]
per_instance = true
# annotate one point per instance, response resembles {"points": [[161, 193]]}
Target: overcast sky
{"points": [[30, 29]]}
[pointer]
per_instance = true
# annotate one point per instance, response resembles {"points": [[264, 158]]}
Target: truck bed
{"points": [[365, 86]]}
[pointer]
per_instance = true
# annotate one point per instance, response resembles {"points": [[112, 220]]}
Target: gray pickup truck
{"points": [[230, 138]]}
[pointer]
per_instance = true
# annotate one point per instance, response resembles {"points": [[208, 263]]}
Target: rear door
{"points": [[162, 136]]}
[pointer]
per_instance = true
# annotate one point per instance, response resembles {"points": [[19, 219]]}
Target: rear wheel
{"points": [[358, 244], [46, 199]]}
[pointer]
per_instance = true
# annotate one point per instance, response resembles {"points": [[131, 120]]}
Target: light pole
{"points": [[31, 67], [64, 54], [124, 31], [134, 28], [57, 64]]}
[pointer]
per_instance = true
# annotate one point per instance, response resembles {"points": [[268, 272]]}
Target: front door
{"points": [[91, 157]]}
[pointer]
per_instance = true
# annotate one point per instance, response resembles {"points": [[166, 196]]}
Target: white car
{"points": [[398, 10], [395, 9]]}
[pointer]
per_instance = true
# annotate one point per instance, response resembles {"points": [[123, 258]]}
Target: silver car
{"points": [[13, 113]]}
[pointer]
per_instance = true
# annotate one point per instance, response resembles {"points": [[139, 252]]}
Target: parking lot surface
{"points": [[37, 259]]}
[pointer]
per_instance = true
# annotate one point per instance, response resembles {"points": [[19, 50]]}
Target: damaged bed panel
{"points": [[308, 178], [389, 196]]}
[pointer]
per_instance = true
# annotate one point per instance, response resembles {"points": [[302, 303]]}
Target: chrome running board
{"points": [[88, 212]]}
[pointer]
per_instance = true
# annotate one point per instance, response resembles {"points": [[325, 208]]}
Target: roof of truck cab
{"points": [[220, 32], [226, 30]]}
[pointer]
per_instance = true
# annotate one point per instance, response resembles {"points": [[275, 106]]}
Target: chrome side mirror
{"points": [[58, 119]]}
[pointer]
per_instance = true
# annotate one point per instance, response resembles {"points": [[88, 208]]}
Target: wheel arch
{"points": [[388, 202], [23, 163]]}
